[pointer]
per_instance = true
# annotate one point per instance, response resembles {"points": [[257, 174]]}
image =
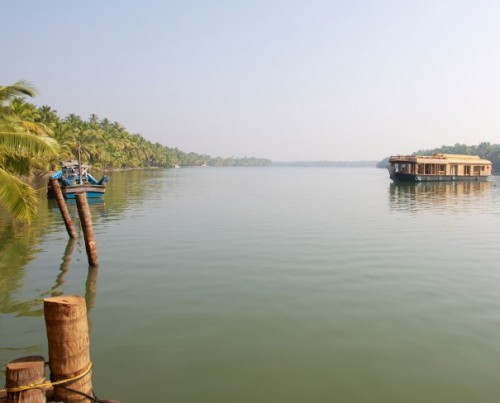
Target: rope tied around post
{"points": [[42, 384], [35, 385]]}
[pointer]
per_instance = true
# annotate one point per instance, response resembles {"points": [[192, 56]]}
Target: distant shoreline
{"points": [[335, 164]]}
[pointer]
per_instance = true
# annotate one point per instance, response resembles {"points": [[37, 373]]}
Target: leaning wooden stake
{"points": [[88, 229], [68, 341], [23, 372], [63, 208]]}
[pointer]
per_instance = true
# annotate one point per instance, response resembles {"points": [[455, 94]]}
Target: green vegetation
{"points": [[33, 140], [106, 145], [25, 146], [484, 150]]}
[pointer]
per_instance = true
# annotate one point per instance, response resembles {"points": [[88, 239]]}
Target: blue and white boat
{"points": [[75, 178]]}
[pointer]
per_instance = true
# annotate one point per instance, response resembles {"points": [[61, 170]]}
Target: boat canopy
{"points": [[440, 159], [71, 170]]}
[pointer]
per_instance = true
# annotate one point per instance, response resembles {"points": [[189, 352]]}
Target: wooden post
{"points": [[68, 340], [63, 208], [26, 371], [88, 229]]}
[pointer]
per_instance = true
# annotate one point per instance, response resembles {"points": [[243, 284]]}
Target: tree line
{"points": [[34, 139], [107, 145], [484, 150]]}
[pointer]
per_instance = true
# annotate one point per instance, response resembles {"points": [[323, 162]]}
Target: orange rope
{"points": [[45, 385]]}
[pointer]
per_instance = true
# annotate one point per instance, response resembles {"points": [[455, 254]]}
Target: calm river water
{"points": [[271, 285]]}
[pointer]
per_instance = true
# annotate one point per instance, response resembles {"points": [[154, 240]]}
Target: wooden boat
{"points": [[438, 167], [75, 178]]}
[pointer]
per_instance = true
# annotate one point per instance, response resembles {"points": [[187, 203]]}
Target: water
{"points": [[272, 285]]}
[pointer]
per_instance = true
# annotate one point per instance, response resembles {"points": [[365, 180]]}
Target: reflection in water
{"points": [[90, 285], [17, 244], [91, 288], [90, 292], [235, 259], [446, 196], [63, 269], [22, 290], [34, 307], [97, 209]]}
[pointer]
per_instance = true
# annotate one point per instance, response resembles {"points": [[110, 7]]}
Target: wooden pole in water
{"points": [[26, 371], [63, 208], [88, 229], [68, 340]]}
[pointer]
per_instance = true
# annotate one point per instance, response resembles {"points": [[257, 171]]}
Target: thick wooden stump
{"points": [[88, 229], [63, 208], [68, 341], [25, 371]]}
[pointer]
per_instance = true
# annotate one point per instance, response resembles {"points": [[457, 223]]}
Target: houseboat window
{"points": [[442, 169], [477, 170], [453, 169], [467, 170]]}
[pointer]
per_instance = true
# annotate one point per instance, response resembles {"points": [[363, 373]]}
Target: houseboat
{"points": [[75, 178], [438, 167]]}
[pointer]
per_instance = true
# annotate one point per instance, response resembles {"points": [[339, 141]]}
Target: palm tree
{"points": [[67, 140], [21, 142], [48, 116]]}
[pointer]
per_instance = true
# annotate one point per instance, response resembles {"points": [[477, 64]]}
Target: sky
{"points": [[285, 80]]}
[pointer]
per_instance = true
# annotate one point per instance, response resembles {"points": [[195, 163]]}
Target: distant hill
{"points": [[484, 150], [337, 164]]}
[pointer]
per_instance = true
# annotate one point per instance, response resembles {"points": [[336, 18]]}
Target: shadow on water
{"points": [[438, 196]]}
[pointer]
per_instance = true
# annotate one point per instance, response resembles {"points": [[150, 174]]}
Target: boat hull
{"points": [[404, 177], [69, 192]]}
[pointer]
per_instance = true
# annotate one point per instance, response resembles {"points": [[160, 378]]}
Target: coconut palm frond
{"points": [[19, 198], [16, 165], [21, 88], [27, 143], [35, 128]]}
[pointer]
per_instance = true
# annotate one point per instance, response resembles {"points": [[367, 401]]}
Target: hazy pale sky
{"points": [[285, 80]]}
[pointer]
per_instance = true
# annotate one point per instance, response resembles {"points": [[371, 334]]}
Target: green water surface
{"points": [[271, 285]]}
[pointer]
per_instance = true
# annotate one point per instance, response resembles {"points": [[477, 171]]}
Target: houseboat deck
{"points": [[438, 167]]}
